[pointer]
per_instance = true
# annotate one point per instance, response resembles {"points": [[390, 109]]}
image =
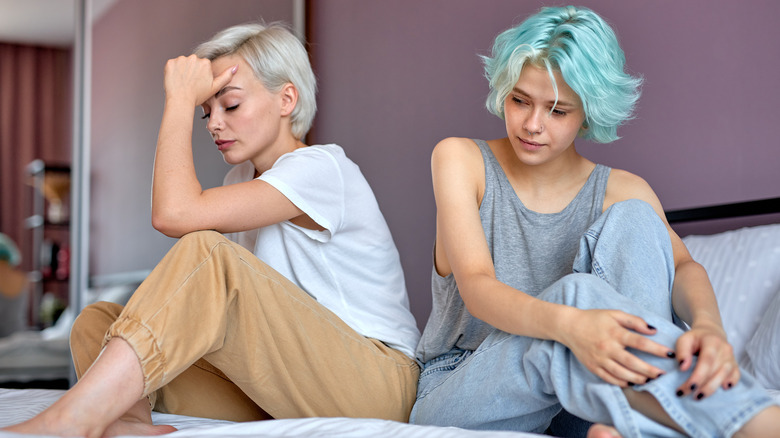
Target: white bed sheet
{"points": [[17, 405]]}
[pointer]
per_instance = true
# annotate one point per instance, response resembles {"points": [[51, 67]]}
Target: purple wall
{"points": [[131, 44], [396, 77]]}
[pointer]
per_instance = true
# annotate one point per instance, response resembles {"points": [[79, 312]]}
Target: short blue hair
{"points": [[580, 45]]}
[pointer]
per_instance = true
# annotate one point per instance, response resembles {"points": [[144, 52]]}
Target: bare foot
{"points": [[118, 428], [131, 426], [602, 431]]}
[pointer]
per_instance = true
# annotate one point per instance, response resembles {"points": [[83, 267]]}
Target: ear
{"points": [[289, 95], [583, 129]]}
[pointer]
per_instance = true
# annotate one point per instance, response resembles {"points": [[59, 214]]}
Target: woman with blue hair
{"points": [[557, 282]]}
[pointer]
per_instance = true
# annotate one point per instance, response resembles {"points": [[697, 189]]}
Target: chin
{"points": [[231, 160]]}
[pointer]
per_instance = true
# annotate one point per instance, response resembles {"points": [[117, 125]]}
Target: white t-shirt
{"points": [[352, 267]]}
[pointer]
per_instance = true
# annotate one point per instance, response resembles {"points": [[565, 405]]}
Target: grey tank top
{"points": [[530, 251]]}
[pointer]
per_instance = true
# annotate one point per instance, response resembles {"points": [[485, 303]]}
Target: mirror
{"points": [[117, 113]]}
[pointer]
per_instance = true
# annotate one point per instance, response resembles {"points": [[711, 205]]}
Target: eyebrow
{"points": [[560, 102], [225, 90]]}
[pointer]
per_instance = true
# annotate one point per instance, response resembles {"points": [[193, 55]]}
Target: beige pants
{"points": [[221, 335]]}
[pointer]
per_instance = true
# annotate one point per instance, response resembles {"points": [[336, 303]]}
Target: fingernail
{"points": [[234, 69], [693, 387], [682, 361], [630, 383], [649, 379], [730, 385], [696, 354], [650, 327], [679, 393], [671, 355], [699, 396]]}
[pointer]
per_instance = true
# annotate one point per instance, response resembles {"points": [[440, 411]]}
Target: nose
{"points": [[215, 123], [534, 122]]}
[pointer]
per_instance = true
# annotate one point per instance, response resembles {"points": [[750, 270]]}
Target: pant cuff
{"points": [[150, 355]]}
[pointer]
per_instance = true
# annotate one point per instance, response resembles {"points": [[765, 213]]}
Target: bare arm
{"points": [[179, 204]]}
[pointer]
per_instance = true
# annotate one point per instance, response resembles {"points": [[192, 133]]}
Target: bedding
{"points": [[18, 405], [744, 268]]}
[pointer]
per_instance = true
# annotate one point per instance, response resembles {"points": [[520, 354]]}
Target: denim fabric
{"points": [[520, 383]]}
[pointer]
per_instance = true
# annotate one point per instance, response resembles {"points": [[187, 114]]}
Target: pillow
{"points": [[763, 350], [744, 268]]}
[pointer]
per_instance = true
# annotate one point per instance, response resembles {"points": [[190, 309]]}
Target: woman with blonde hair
{"points": [[307, 289]]}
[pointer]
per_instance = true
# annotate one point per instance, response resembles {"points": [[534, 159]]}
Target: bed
{"points": [[743, 263]]}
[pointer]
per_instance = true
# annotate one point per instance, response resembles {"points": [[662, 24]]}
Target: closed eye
{"points": [[518, 100], [230, 108]]}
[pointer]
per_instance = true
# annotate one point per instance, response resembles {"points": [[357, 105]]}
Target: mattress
{"points": [[17, 405]]}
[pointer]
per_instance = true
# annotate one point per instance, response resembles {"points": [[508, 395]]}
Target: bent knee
{"points": [[205, 239], [635, 211], [206, 236]]}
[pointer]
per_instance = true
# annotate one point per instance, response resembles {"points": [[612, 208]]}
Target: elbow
{"points": [[472, 302], [167, 224]]}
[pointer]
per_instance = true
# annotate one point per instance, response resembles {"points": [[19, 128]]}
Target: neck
{"points": [[548, 187], [557, 171], [281, 147]]}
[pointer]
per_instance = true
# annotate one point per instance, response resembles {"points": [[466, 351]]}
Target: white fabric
{"points": [[352, 267], [19, 405], [763, 351], [744, 268]]}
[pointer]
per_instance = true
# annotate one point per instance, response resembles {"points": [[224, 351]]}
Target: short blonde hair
{"points": [[276, 57]]}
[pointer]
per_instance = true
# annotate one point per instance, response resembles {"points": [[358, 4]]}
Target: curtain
{"points": [[35, 123]]}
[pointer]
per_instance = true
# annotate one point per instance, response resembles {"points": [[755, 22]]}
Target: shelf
{"points": [[49, 226]]}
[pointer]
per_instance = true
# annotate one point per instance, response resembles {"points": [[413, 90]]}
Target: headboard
{"points": [[724, 216]]}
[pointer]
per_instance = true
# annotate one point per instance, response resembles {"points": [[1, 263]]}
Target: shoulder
{"points": [[623, 185], [315, 159], [318, 151], [455, 145], [458, 169], [456, 151]]}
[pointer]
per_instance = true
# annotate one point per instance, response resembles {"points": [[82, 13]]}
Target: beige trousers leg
{"points": [[221, 335]]}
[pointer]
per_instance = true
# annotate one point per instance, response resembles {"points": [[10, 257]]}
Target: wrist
{"points": [[562, 320], [180, 100]]}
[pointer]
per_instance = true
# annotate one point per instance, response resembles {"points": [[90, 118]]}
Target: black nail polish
{"points": [[696, 354], [630, 383], [693, 387], [699, 396], [730, 385], [671, 355], [650, 327], [679, 393], [649, 379]]}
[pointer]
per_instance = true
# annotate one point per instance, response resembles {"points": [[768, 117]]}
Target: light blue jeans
{"points": [[518, 383]]}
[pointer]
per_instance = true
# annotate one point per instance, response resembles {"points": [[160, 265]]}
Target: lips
{"points": [[224, 144], [531, 145]]}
